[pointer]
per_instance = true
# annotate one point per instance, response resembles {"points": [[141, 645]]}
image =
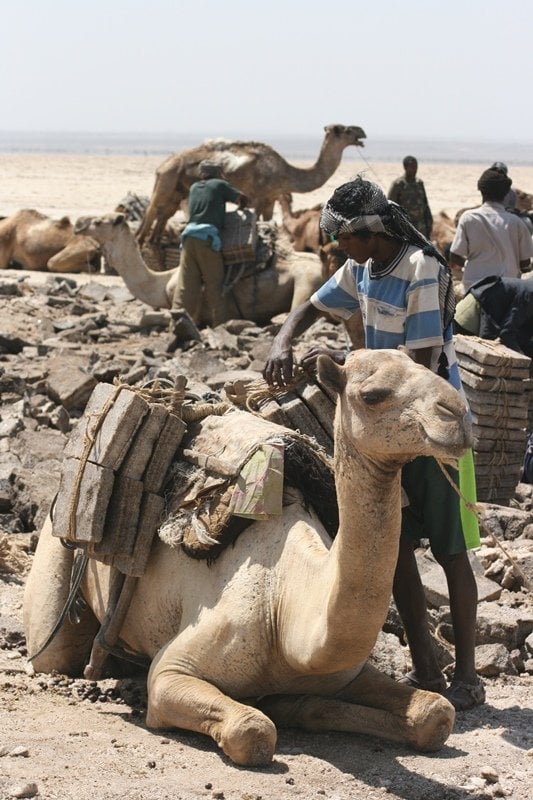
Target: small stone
{"points": [[151, 764], [475, 783], [489, 773], [26, 790], [20, 750]]}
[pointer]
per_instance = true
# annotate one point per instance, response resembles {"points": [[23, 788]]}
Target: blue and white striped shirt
{"points": [[400, 306]]}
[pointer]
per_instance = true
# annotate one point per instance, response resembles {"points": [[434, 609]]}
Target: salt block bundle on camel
{"points": [[277, 628], [254, 168], [278, 280], [34, 241]]}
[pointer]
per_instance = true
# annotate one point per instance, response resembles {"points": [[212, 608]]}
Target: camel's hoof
{"points": [[250, 742], [431, 723]]}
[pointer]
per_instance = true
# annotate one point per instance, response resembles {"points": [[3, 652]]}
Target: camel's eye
{"points": [[374, 396]]}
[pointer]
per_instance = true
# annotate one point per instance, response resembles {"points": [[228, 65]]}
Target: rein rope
{"points": [[476, 510]]}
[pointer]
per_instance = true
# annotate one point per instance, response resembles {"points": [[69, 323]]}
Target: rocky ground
{"points": [[63, 738]]}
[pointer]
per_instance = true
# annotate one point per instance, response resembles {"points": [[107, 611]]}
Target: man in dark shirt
{"points": [[409, 192], [499, 308], [201, 263]]}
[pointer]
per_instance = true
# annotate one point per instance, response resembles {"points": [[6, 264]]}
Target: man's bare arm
{"points": [[279, 367]]}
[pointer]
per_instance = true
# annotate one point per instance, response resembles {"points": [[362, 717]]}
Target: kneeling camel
{"points": [[288, 281], [278, 629]]}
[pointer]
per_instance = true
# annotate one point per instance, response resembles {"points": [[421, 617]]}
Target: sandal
{"points": [[463, 696], [434, 685]]}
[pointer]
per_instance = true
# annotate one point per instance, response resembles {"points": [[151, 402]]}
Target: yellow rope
{"points": [[477, 511]]}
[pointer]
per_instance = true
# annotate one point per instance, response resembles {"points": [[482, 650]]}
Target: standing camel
{"points": [[256, 169], [279, 627]]}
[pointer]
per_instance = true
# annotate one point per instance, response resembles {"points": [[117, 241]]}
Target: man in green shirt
{"points": [[201, 263], [409, 192]]}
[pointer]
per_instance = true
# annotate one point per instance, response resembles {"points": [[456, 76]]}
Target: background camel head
{"points": [[393, 410], [98, 227], [331, 259], [351, 134]]}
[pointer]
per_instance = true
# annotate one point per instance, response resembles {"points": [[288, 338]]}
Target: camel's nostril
{"points": [[452, 410]]}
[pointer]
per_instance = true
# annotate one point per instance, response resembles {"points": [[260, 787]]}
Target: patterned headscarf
{"points": [[360, 206]]}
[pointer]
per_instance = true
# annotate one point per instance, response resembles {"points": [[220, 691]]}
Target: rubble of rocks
{"points": [[60, 336]]}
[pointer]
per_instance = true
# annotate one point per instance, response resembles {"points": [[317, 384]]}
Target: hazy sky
{"points": [[454, 69]]}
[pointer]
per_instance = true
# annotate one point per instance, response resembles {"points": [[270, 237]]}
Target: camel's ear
{"points": [[81, 224], [331, 374], [403, 349], [119, 219]]}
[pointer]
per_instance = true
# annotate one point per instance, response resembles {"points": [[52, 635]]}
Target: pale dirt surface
{"points": [[77, 185], [98, 750], [82, 748]]}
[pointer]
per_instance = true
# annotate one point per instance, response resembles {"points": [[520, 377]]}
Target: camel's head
{"points": [[393, 409], [331, 259], [100, 227], [346, 134]]}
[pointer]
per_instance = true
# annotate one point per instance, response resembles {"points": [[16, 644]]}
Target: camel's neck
{"points": [[306, 180], [122, 254], [363, 556]]}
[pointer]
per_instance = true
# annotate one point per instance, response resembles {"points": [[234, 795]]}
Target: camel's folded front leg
{"points": [[372, 704], [175, 700], [45, 594]]}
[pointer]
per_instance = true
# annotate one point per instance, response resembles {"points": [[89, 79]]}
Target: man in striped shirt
{"points": [[401, 288]]}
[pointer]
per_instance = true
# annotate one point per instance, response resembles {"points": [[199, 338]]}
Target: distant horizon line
{"points": [[164, 133], [293, 147]]}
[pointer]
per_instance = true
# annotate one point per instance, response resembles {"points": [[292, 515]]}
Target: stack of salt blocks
{"points": [[110, 496], [497, 384]]}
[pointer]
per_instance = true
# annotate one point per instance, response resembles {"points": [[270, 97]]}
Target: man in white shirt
{"points": [[490, 240]]}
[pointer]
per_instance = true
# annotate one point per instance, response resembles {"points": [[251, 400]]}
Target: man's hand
{"points": [[279, 368], [308, 362]]}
